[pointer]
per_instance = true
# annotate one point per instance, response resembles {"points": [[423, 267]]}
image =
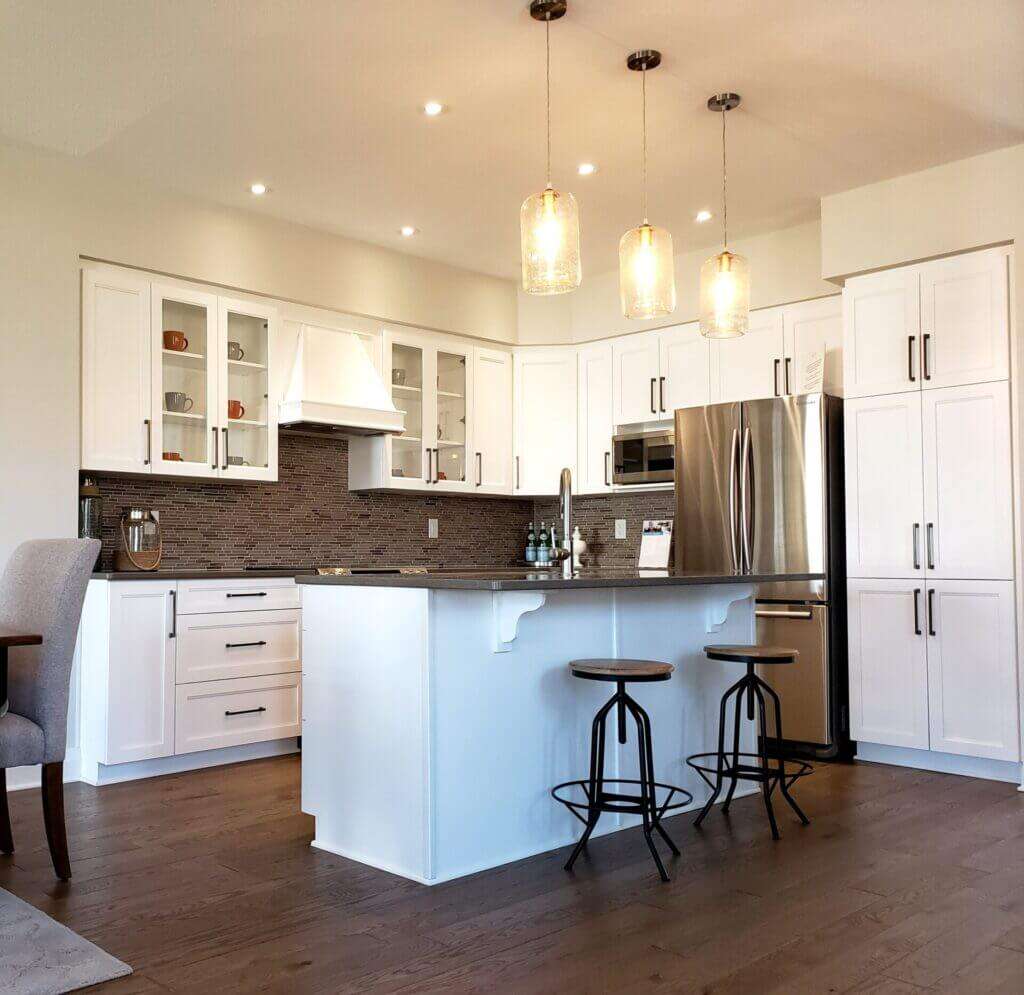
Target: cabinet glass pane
{"points": [[407, 458], [186, 365], [247, 400], [451, 416]]}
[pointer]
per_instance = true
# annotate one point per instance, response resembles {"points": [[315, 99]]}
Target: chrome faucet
{"points": [[564, 553]]}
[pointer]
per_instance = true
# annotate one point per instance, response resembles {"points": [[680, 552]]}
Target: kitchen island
{"points": [[438, 710]]}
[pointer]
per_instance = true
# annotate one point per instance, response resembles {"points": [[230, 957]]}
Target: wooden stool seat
{"points": [[752, 654], [620, 670]]}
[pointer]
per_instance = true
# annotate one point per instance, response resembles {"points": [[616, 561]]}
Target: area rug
{"points": [[39, 956]]}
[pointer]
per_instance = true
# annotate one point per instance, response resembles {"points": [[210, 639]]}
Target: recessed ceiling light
{"points": [[432, 108], [407, 231], [702, 216], [586, 169], [258, 189]]}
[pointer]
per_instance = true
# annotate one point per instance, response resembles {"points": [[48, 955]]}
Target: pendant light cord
{"points": [[725, 203], [547, 48], [643, 159]]}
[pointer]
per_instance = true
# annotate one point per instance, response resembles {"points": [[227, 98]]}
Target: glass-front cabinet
{"points": [[430, 383], [213, 407]]}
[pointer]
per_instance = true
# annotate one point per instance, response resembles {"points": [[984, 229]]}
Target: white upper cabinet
{"points": [[491, 428], [968, 503], [595, 420], [888, 662], [545, 418], [881, 333], [684, 379], [972, 669], [938, 324], [636, 371], [884, 486], [751, 366], [117, 389], [813, 328], [964, 319]]}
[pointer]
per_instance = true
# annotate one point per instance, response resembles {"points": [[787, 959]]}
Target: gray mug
{"points": [[178, 401], [237, 461], [235, 351]]}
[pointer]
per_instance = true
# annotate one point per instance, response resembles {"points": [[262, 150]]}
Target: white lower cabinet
{"points": [[933, 665], [167, 671]]}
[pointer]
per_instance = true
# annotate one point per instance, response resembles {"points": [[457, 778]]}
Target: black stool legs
{"points": [[599, 800], [729, 765]]}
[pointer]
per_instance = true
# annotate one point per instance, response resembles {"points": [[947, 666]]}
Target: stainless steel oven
{"points": [[644, 457]]}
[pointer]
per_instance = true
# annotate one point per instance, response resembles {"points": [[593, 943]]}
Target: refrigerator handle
{"points": [[746, 498], [734, 458]]}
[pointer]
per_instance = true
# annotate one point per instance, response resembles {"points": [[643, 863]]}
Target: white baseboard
{"points": [[101, 774], [31, 777], [943, 763]]}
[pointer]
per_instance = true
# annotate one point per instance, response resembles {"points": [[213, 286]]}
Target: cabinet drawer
{"points": [[214, 714], [245, 594], [222, 645]]}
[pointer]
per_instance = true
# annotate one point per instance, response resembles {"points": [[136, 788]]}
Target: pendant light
{"points": [[647, 279], [725, 277], [549, 221]]}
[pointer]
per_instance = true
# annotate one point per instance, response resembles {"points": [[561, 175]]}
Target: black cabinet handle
{"points": [[654, 410], [517, 473], [661, 393], [917, 611], [149, 441], [911, 339], [930, 543], [235, 646], [247, 711], [786, 373], [437, 466], [224, 465], [924, 349], [775, 377], [216, 447], [479, 469], [173, 634], [607, 459], [917, 545], [931, 612], [248, 594]]}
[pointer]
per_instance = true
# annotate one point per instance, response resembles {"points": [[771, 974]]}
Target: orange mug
{"points": [[172, 457], [175, 341], [236, 409]]}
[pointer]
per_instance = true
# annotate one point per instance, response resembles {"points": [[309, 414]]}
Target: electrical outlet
{"points": [[620, 528], [431, 528]]}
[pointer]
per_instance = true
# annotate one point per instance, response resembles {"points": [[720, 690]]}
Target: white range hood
{"points": [[335, 388]]}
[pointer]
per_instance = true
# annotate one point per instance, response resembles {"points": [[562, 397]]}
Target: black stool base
{"points": [[733, 766], [644, 803]]}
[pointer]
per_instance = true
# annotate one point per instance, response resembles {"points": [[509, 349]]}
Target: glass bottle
{"points": [[544, 547], [531, 545]]}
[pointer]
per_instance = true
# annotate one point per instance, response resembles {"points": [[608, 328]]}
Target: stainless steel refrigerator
{"points": [[759, 490]]}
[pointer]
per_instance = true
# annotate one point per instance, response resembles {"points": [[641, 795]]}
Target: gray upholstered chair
{"points": [[41, 591]]}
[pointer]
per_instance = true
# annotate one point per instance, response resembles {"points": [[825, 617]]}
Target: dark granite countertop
{"points": [[526, 580], [197, 574]]}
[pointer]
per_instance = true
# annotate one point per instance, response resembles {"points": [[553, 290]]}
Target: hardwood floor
{"points": [[904, 882]]}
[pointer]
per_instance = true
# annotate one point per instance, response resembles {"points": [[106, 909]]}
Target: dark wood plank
{"points": [[18, 637]]}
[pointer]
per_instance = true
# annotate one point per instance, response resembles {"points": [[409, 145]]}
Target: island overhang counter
{"points": [[438, 710]]}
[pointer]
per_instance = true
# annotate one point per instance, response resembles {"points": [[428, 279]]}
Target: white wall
{"points": [[785, 267]]}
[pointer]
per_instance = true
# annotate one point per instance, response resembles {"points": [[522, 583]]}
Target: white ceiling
{"points": [[320, 99]]}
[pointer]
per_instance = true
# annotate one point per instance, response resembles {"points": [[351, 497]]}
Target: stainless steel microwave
{"points": [[644, 457]]}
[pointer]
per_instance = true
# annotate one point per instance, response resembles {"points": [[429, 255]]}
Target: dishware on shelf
{"points": [[236, 410], [141, 539], [172, 457], [235, 351], [238, 461], [398, 377], [177, 401], [175, 340]]}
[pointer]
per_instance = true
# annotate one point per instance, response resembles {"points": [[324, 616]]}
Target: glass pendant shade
{"points": [[724, 296], [550, 235], [647, 279]]}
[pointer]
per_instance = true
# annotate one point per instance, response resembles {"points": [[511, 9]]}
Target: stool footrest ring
{"points": [[707, 764], [675, 798]]}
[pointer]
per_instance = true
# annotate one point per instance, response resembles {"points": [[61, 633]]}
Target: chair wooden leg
{"points": [[6, 838], [53, 817]]}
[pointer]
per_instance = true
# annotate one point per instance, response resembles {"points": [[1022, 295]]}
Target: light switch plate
{"points": [[620, 528], [431, 528]]}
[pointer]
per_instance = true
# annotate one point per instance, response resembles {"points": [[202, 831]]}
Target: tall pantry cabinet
{"points": [[929, 514]]}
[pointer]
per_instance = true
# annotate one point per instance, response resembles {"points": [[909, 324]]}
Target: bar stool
{"points": [[598, 799], [729, 765]]}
